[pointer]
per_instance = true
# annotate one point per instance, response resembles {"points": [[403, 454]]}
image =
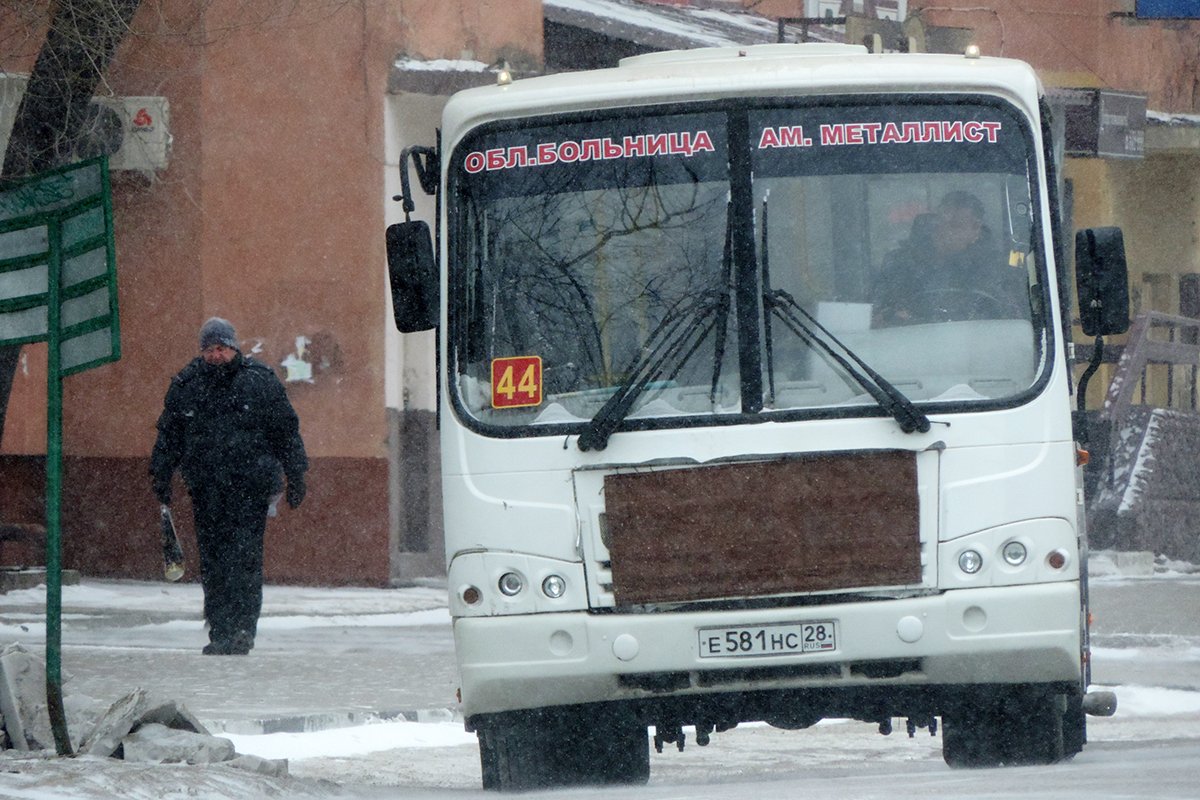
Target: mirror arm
{"points": [[1093, 365], [425, 160]]}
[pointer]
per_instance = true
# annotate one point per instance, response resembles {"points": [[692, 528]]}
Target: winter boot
{"points": [[216, 648], [241, 643]]}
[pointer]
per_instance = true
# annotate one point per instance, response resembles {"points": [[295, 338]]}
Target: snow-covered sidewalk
{"points": [[334, 671], [323, 657]]}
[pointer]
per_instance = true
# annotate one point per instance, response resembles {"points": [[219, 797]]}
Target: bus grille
{"points": [[807, 524]]}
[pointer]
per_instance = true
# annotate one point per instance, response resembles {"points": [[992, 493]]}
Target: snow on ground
{"points": [[166, 608], [440, 757], [1132, 701], [1151, 701], [36, 626], [176, 598], [343, 742]]}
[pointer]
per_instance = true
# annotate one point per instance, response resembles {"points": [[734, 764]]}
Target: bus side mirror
{"points": [[414, 276], [1102, 281]]}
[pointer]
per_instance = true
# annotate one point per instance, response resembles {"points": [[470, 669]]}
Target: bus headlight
{"points": [[554, 586], [511, 584], [1014, 553], [970, 562]]}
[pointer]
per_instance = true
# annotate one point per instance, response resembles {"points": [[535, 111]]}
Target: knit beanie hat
{"points": [[217, 331]]}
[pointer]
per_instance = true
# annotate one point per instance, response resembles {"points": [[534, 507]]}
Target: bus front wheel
{"points": [[546, 748], [1021, 726]]}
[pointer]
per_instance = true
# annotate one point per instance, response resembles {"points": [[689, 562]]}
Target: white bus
{"points": [[756, 404]]}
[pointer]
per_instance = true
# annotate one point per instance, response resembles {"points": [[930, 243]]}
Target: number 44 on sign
{"points": [[516, 381]]}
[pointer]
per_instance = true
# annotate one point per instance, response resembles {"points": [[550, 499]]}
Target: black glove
{"points": [[162, 491], [295, 492]]}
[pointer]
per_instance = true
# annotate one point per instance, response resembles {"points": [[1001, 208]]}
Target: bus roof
{"points": [[765, 70]]}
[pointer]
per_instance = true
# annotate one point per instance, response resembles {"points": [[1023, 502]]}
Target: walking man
{"points": [[229, 427]]}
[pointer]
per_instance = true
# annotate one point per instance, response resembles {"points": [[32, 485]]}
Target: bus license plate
{"points": [[769, 640]]}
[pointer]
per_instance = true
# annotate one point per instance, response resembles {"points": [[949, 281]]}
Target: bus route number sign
{"points": [[516, 381]]}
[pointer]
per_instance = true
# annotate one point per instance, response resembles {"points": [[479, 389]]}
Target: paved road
{"points": [[331, 653], [1147, 632]]}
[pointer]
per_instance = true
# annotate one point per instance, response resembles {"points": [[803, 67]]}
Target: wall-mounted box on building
{"points": [[1100, 123], [145, 140], [131, 131]]}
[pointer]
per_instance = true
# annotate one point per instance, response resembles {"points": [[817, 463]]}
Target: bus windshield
{"points": [[671, 266]]}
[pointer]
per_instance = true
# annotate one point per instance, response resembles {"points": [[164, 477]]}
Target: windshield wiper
{"points": [[681, 331], [806, 327]]}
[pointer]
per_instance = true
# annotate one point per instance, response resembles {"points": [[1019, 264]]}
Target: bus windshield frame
{"points": [[699, 264]]}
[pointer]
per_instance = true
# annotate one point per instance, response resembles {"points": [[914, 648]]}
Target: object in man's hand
{"points": [[172, 551]]}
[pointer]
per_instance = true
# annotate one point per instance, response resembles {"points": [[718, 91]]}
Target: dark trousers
{"points": [[229, 535]]}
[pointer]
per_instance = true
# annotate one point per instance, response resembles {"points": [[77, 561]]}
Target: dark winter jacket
{"points": [[229, 426], [976, 283]]}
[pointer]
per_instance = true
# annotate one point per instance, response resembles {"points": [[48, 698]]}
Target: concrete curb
{"points": [[14, 578]]}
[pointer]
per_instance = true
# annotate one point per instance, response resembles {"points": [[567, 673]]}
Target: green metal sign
{"points": [[58, 280], [58, 284]]}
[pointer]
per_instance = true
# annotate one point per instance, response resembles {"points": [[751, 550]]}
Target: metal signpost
{"points": [[58, 284]]}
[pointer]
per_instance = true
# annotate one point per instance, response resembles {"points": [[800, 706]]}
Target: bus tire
{"points": [[554, 748], [1074, 726], [1020, 727]]}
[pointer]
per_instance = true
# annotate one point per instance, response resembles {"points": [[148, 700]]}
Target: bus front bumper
{"points": [[984, 636]]}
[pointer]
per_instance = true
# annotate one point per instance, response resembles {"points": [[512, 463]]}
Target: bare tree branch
{"points": [[80, 43]]}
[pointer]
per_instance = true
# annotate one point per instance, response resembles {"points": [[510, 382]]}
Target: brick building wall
{"points": [[271, 213]]}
